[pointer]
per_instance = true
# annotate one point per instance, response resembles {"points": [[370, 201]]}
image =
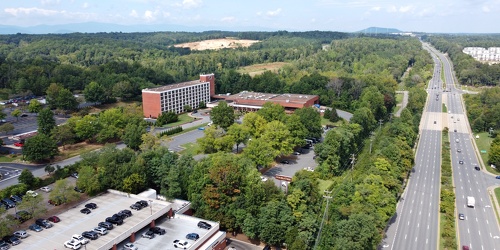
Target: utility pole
{"points": [[371, 140], [353, 160], [390, 117], [325, 216], [380, 124]]}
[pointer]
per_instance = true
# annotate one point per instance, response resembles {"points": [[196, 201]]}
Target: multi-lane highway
{"points": [[415, 225], [479, 229]]}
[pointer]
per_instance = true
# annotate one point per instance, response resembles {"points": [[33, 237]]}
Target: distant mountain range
{"points": [[379, 30], [94, 27]]}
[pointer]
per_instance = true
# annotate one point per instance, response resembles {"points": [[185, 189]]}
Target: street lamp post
{"points": [[151, 205]]}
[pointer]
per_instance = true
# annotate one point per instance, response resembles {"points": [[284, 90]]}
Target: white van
{"points": [[457, 141]]}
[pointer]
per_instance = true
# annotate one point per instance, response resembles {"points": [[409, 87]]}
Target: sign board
{"points": [[283, 178]]}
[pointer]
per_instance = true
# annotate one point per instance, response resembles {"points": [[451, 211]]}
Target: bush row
{"points": [[171, 131]]}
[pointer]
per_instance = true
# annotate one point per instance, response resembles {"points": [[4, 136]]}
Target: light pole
{"points": [[151, 205]]}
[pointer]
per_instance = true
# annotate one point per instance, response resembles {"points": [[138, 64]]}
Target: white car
{"points": [[100, 230], [181, 244], [46, 189], [80, 239], [310, 169], [32, 193], [262, 178], [72, 244], [130, 246], [21, 234]]}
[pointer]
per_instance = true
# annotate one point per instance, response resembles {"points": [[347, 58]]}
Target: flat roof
{"points": [[173, 86], [74, 222], [267, 97]]}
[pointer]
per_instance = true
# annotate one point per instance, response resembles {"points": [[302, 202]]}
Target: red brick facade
{"points": [[151, 104], [211, 79]]}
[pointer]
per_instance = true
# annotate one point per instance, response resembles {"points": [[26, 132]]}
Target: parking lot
{"points": [[74, 222]]}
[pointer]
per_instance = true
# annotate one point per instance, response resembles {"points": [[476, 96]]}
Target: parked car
{"points": [[79, 238], [74, 175], [262, 178], [35, 228], [72, 244], [19, 144], [126, 212], [43, 223], [192, 236], [100, 230], [4, 245], [158, 230], [204, 225], [78, 190], [11, 239], [106, 225], [46, 189], [181, 244], [21, 234], [130, 246], [23, 216], [296, 153], [24, 115], [497, 177], [32, 193], [16, 198], [54, 219], [91, 205], [143, 203], [90, 235], [8, 203], [136, 206], [285, 162], [114, 220], [85, 211], [148, 234]]}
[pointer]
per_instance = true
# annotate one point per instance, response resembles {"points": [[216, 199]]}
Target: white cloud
{"points": [[133, 13], [273, 12], [228, 19], [259, 13], [149, 15], [486, 8], [190, 4], [30, 11], [85, 5], [392, 9], [50, 2], [313, 20], [376, 8], [404, 9]]}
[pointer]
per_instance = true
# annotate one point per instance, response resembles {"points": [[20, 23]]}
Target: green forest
{"points": [[468, 70], [355, 73]]}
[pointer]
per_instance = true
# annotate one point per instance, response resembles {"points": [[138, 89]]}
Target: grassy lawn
{"points": [[483, 143], [75, 150], [9, 158], [258, 69], [190, 148], [497, 194], [445, 110], [324, 185], [183, 118], [399, 98]]}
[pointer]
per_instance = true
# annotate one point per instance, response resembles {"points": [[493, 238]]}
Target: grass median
{"points": [[448, 239]]}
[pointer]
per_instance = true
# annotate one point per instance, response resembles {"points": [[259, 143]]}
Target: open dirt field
{"points": [[258, 69], [224, 43]]}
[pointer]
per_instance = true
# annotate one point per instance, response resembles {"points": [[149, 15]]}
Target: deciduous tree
{"points": [[35, 106], [46, 121], [39, 147], [222, 115]]}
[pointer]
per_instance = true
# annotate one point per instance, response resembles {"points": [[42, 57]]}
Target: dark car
{"points": [[85, 211], [35, 228], [497, 177], [143, 203], [204, 225], [78, 190], [54, 219], [267, 247], [106, 225], [4, 245], [158, 230], [136, 206], [11, 239], [43, 223], [460, 162], [16, 198], [127, 212], [192, 236], [461, 216], [148, 234], [477, 168], [8, 203], [90, 235], [119, 216], [115, 220], [91, 205], [285, 162], [24, 115], [23, 216]]}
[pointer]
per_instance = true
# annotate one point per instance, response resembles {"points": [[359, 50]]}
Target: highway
{"points": [[415, 225], [480, 228]]}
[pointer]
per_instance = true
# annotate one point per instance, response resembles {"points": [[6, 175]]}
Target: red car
{"points": [[54, 219], [18, 144]]}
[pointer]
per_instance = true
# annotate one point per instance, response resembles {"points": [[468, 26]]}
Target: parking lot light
{"points": [[151, 205]]}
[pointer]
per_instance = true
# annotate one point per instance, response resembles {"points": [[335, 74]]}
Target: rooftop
{"points": [[289, 98], [173, 86]]}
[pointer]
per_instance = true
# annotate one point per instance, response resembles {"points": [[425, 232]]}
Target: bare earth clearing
{"points": [[258, 69], [223, 43]]}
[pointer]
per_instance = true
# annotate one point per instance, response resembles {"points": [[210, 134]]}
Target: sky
{"points": [[442, 16]]}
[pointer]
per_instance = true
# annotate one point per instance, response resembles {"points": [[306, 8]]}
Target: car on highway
{"points": [[459, 150], [90, 235], [129, 246], [181, 244], [85, 211], [192, 236], [148, 234], [46, 189], [72, 244], [477, 168], [497, 177], [35, 227], [461, 162], [461, 216]]}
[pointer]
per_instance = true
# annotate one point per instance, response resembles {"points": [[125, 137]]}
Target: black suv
{"points": [[91, 205], [114, 220], [8, 203], [204, 225], [43, 223], [16, 198], [90, 235], [124, 214], [119, 216], [11, 239], [136, 206], [106, 225], [158, 230], [143, 203]]}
